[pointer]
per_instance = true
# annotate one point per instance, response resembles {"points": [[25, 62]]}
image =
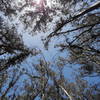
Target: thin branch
{"points": [[66, 92], [79, 47], [11, 84], [31, 76], [91, 8], [75, 29], [14, 60], [56, 34]]}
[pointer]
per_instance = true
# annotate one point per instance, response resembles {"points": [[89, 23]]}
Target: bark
{"points": [[70, 97]]}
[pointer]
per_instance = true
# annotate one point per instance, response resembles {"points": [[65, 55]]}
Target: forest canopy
{"points": [[68, 27]]}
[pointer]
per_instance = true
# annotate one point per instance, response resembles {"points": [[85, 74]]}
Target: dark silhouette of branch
{"points": [[81, 27], [72, 30], [71, 46], [91, 8], [11, 84], [14, 60], [54, 33], [93, 37]]}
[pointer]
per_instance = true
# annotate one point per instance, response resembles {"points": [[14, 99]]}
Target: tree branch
{"points": [[75, 29], [91, 8], [66, 92]]}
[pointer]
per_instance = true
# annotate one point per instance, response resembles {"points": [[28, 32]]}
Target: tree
{"points": [[11, 43]]}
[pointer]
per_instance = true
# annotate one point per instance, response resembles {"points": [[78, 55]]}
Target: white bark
{"points": [[66, 92]]}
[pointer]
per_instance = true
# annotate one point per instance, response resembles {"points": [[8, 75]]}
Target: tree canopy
{"points": [[25, 73]]}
